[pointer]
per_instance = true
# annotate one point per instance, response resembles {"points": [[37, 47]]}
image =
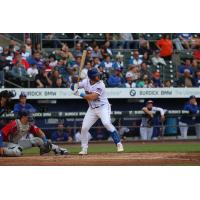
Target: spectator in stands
{"points": [[116, 80], [84, 71], [135, 71], [28, 45], [54, 76], [18, 71], [25, 54], [129, 81], [60, 83], [103, 75], [20, 59], [145, 71], [37, 48], [7, 56], [42, 79], [107, 49], [126, 40], [144, 46], [157, 60], [78, 49], [107, 63], [96, 53], [89, 54], [65, 71], [135, 60], [23, 105], [194, 66], [197, 78], [52, 61], [185, 39], [96, 62], [60, 134], [146, 58], [119, 63], [188, 66], [186, 80], [196, 54], [11, 50], [165, 46], [167, 84], [36, 58], [156, 79], [148, 83], [32, 70], [46, 65]]}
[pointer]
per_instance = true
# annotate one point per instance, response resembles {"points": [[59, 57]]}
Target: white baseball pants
{"points": [[184, 130], [146, 132], [92, 115]]}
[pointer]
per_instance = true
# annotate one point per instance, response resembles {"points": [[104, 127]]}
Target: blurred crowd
{"points": [[30, 65]]}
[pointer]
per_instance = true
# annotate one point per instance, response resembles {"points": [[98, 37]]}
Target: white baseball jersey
{"points": [[98, 88], [154, 110]]}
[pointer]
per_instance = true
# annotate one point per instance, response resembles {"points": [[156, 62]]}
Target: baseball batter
{"points": [[99, 107], [12, 142], [146, 127]]}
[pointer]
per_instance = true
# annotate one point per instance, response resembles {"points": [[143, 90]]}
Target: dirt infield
{"points": [[109, 159]]}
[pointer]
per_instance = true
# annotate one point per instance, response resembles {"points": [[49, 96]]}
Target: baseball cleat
{"points": [[61, 151], [120, 147], [83, 152]]}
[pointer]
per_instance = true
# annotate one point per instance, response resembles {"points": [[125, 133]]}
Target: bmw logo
{"points": [[132, 92]]}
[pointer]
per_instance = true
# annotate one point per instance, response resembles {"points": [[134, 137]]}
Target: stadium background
{"points": [[51, 42]]}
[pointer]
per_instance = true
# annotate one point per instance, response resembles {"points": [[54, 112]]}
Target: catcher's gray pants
{"points": [[146, 132], [12, 149]]}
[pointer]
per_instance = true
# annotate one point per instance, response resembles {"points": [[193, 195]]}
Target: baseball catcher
{"points": [[13, 142]]}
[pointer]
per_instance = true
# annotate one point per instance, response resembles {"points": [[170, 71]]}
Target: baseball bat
{"points": [[82, 64]]}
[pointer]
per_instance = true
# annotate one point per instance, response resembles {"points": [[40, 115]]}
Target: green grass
{"points": [[131, 148]]}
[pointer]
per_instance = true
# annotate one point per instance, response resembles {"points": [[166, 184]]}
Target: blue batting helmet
{"points": [[92, 73]]}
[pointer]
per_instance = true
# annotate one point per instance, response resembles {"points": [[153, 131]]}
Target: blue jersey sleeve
{"points": [[192, 108], [30, 108], [65, 138], [17, 108]]}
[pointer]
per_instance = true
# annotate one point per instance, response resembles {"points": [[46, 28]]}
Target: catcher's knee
{"points": [[13, 151], [36, 142]]}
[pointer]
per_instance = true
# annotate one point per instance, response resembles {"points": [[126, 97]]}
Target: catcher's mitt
{"points": [[46, 148]]}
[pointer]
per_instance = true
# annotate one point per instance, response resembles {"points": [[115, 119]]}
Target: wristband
{"points": [[82, 95]]}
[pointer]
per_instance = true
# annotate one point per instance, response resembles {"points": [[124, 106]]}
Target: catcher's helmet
{"points": [[92, 73]]}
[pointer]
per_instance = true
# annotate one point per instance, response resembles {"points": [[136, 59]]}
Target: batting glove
{"points": [[82, 95]]}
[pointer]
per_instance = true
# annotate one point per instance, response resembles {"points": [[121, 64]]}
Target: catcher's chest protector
{"points": [[20, 131]]}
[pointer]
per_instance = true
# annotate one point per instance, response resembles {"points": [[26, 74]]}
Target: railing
{"points": [[75, 118]]}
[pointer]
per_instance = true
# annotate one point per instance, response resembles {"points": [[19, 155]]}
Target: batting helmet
{"points": [[92, 73]]}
